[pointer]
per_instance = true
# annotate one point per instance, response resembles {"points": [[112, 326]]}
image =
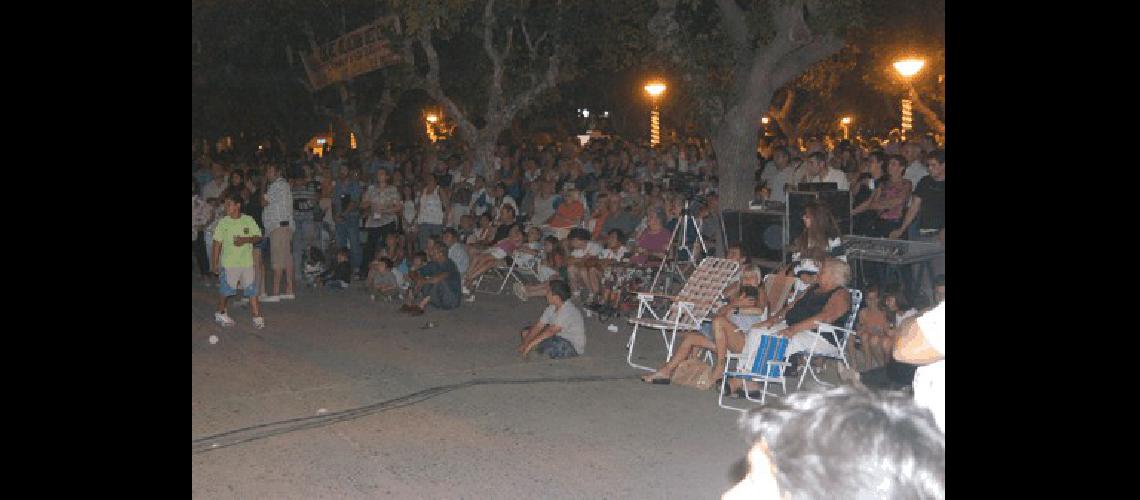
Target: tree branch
{"points": [[927, 113], [495, 92], [432, 86]]}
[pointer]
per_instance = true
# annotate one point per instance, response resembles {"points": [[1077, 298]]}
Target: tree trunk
{"points": [[735, 146]]}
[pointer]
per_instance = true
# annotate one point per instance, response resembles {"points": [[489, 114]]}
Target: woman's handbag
{"points": [[693, 373]]}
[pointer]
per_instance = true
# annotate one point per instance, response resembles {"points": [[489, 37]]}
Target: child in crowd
{"points": [[875, 332], [341, 273], [314, 265], [381, 280], [466, 228]]}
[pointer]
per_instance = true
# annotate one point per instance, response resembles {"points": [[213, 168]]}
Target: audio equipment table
{"points": [[897, 255]]}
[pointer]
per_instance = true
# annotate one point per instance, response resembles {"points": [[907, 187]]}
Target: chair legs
{"points": [[629, 347]]}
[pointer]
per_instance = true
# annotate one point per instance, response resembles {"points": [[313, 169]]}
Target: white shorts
{"points": [[497, 252]]}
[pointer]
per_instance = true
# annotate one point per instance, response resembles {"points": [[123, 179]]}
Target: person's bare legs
{"points": [[289, 276], [594, 280], [255, 306], [277, 281], [689, 342], [258, 270]]}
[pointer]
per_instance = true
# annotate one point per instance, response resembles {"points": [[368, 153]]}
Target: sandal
{"points": [[654, 379]]}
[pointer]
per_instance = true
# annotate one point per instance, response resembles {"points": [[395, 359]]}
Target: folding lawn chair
{"points": [[763, 360], [841, 335], [693, 305], [506, 273]]}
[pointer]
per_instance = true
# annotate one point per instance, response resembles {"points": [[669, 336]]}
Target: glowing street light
{"points": [[655, 89], [845, 121], [907, 68], [431, 119]]}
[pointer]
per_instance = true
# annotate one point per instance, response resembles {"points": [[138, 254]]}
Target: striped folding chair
{"points": [[763, 360]]}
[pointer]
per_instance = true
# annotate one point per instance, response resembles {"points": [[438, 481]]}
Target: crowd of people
{"points": [[591, 223]]}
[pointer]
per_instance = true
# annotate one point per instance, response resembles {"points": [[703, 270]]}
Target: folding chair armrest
{"points": [[649, 295], [779, 363], [828, 327]]}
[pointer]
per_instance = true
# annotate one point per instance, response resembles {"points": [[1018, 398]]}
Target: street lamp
{"points": [[655, 89], [907, 68], [845, 121], [431, 119]]}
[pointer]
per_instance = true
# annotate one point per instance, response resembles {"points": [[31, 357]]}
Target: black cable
{"points": [[251, 433]]}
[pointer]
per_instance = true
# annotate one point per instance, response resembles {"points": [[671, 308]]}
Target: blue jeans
{"points": [[348, 234], [557, 348]]}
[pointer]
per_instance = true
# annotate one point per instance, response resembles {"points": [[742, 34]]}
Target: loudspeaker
{"points": [[838, 202], [760, 234]]}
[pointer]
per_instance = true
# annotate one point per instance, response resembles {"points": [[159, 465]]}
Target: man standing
{"points": [[777, 173], [278, 221], [346, 213], [307, 232], [915, 169], [214, 188], [817, 171], [928, 205], [234, 238], [560, 332]]}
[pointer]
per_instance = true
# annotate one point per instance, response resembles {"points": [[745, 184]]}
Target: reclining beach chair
{"points": [[842, 336], [763, 360], [693, 305]]}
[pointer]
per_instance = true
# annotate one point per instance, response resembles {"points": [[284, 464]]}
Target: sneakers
{"points": [[466, 291], [520, 292], [469, 298], [287, 296], [223, 319], [259, 322], [269, 298]]}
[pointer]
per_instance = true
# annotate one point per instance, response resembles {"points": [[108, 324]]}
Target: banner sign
{"points": [[356, 53]]}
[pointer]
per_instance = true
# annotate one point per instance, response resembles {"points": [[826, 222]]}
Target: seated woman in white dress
{"points": [[827, 302]]}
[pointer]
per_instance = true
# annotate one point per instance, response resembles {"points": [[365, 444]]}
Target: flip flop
{"points": [[657, 380]]}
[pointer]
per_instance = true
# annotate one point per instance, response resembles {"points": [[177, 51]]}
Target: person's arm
{"points": [[835, 308], [216, 252], [366, 201], [546, 332], [869, 203], [912, 347], [911, 212]]}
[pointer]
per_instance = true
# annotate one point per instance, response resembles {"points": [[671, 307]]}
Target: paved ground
{"points": [[336, 350]]}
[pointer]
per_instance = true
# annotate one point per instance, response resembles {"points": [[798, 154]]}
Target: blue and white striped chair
{"points": [[764, 360]]}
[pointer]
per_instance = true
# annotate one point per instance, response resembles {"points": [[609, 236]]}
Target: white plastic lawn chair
{"points": [[691, 307], [763, 360], [842, 336]]}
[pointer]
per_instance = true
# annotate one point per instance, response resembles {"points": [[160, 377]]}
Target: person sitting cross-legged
{"points": [[436, 283], [560, 332]]}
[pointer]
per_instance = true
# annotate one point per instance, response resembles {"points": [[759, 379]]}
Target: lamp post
{"points": [[430, 121], [655, 89], [907, 68], [845, 121]]}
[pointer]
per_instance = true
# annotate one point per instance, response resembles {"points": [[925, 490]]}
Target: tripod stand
{"points": [[682, 227]]}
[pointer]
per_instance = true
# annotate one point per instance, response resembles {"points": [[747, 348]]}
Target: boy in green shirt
{"points": [[234, 238]]}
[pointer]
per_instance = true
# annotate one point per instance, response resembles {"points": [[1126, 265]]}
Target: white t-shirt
{"points": [[915, 172], [930, 380], [569, 318]]}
